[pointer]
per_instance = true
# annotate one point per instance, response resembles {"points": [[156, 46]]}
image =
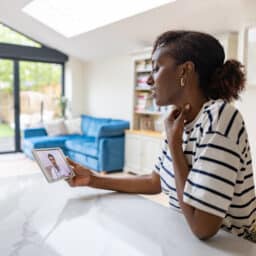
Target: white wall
{"points": [[75, 86], [247, 103], [247, 107], [109, 88]]}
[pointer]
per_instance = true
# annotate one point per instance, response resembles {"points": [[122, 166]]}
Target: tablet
{"points": [[53, 164]]}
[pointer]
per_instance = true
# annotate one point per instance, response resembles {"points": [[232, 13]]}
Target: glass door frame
{"points": [[16, 71]]}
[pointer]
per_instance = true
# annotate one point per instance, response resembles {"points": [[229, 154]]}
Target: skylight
{"points": [[71, 18]]}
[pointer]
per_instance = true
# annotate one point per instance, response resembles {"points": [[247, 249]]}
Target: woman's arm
{"points": [[144, 184]]}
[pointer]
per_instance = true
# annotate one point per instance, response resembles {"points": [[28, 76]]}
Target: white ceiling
{"points": [[131, 34]]}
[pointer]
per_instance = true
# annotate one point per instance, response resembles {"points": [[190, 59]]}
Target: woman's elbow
{"points": [[205, 225], [155, 190], [204, 235]]}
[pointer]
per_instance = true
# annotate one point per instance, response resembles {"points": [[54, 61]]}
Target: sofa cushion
{"points": [[55, 128], [73, 125], [47, 141], [86, 146], [91, 125]]}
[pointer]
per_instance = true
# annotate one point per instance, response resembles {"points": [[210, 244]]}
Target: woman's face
{"points": [[165, 79]]}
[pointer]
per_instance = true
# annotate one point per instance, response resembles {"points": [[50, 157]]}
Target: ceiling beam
{"points": [[20, 52]]}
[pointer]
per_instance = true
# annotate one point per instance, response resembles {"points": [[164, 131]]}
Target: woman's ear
{"points": [[186, 69], [189, 66], [182, 70]]}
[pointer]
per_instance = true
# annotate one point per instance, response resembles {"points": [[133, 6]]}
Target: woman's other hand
{"points": [[174, 125], [83, 176]]}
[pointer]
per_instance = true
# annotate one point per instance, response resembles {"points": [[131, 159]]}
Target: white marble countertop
{"points": [[39, 219]]}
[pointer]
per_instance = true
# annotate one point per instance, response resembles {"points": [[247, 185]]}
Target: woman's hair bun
{"points": [[228, 80]]}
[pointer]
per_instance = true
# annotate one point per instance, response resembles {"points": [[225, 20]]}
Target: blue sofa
{"points": [[100, 147]]}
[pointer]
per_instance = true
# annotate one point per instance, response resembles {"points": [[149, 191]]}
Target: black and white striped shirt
{"points": [[220, 180]]}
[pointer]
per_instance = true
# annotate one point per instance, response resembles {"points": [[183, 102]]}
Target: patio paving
{"points": [[7, 144]]}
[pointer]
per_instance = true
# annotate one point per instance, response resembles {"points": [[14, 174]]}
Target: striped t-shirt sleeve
{"points": [[211, 181]]}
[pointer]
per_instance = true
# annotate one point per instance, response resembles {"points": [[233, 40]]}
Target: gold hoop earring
{"points": [[182, 82]]}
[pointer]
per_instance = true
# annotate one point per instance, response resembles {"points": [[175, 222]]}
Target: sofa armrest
{"points": [[111, 153], [34, 132], [113, 129]]}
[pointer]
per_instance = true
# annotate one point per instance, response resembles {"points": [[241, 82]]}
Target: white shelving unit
{"points": [[143, 141]]}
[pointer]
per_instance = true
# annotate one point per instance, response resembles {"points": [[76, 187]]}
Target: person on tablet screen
{"points": [[55, 170]]}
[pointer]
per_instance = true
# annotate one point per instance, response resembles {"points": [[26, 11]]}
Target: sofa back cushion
{"points": [[85, 121], [91, 125], [73, 125], [55, 127]]}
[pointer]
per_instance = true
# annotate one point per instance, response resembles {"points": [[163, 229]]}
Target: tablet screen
{"points": [[53, 164]]}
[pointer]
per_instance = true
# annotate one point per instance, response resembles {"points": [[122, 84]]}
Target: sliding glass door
{"points": [[40, 93], [30, 94], [7, 106]]}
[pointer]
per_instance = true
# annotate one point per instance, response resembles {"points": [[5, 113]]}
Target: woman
{"points": [[205, 165]]}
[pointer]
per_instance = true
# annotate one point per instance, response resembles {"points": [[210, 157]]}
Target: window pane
{"points": [[12, 37], [40, 93]]}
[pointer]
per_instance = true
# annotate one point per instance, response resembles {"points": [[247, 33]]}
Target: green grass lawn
{"points": [[6, 131]]}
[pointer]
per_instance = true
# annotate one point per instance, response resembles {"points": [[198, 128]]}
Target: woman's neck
{"points": [[195, 107]]}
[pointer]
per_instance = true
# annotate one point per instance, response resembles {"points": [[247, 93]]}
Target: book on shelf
{"points": [[143, 66], [146, 123], [143, 102], [141, 82], [155, 106], [143, 88]]}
